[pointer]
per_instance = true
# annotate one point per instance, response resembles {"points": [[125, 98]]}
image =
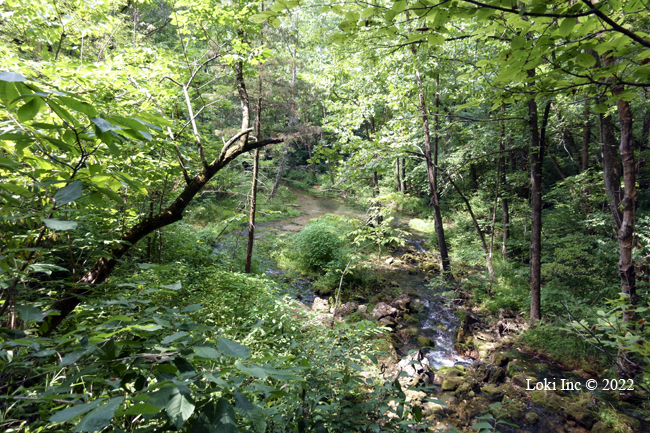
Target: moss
{"points": [[492, 392], [532, 418], [452, 383], [547, 399], [425, 342]]}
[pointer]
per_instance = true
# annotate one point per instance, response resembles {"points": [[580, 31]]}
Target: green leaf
{"points": [[74, 411], [367, 12], [179, 408], [600, 108], [99, 417], [103, 125], [417, 413], [12, 77], [252, 370], [251, 412], [435, 39], [80, 106], [68, 193], [55, 224], [190, 308], [232, 349], [585, 60], [16, 189], [224, 417], [480, 425], [174, 336], [30, 109], [142, 409], [207, 352], [566, 26], [29, 313], [399, 6]]}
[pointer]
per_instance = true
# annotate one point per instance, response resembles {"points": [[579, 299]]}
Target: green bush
{"points": [[320, 246]]}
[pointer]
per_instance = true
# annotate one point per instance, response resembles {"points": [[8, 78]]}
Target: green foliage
{"points": [[565, 346], [321, 245]]}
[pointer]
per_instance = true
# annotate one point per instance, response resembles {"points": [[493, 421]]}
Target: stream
{"points": [[436, 318]]}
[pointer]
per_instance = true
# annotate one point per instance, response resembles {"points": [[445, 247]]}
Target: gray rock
{"points": [[383, 310], [345, 310], [402, 303], [321, 305], [389, 260], [363, 309]]}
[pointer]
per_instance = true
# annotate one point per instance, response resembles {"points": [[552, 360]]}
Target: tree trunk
{"points": [[397, 175], [256, 162], [611, 168], [431, 174], [504, 200], [536, 157], [586, 130], [402, 179], [279, 175]]}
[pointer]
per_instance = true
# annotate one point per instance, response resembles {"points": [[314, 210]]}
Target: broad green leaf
{"points": [[55, 224], [179, 408], [252, 370], [46, 268], [29, 313], [103, 125], [30, 109], [367, 12], [435, 39], [566, 26], [99, 417], [585, 60], [251, 412], [224, 417], [190, 308], [207, 352], [12, 77], [74, 411], [68, 193], [399, 6], [480, 425], [142, 409], [16, 189], [232, 349], [77, 105]]}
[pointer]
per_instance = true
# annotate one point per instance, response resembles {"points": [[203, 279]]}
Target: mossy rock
{"points": [[466, 389], [510, 391], [581, 414], [410, 319], [515, 367], [532, 418], [501, 359], [425, 342], [492, 392], [522, 380], [451, 383], [547, 399], [516, 409]]}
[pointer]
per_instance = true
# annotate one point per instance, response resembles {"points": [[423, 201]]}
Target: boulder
{"points": [[388, 321], [580, 413], [521, 379], [416, 366], [501, 359], [601, 427], [389, 260], [345, 310], [546, 399], [532, 418], [484, 372], [492, 392], [383, 310], [402, 303], [321, 305], [451, 383], [425, 342], [363, 309]]}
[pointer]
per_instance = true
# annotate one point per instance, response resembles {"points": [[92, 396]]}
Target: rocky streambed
{"points": [[452, 363]]}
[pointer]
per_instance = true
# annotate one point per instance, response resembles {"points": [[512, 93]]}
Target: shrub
{"points": [[320, 246]]}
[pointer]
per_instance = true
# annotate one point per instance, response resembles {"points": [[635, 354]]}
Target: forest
{"points": [[301, 216]]}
